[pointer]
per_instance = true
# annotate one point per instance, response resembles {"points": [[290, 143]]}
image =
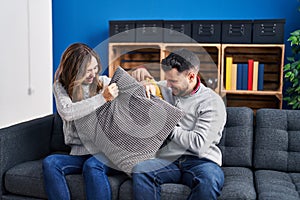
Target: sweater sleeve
{"points": [[69, 110], [207, 130]]}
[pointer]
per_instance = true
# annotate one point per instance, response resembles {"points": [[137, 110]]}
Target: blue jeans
{"points": [[94, 170], [204, 177]]}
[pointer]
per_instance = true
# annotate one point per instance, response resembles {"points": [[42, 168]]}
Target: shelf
{"points": [[253, 45], [272, 56], [132, 55], [250, 92], [254, 102], [135, 44], [212, 66]]}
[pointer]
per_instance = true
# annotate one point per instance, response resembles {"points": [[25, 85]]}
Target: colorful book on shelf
{"points": [[261, 69], [250, 73], [239, 76], [228, 73], [245, 76], [233, 76], [255, 75]]}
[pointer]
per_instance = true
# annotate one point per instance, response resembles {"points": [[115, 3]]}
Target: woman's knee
{"points": [[50, 161], [93, 164]]}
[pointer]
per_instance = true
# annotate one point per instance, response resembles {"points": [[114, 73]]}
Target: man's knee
{"points": [[150, 165], [209, 174]]}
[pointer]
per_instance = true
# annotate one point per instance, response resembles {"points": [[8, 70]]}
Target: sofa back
{"points": [[237, 141], [277, 140], [57, 139]]}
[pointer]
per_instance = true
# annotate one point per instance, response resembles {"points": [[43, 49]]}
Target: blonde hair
{"points": [[72, 69]]}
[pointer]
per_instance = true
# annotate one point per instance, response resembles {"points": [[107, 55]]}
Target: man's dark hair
{"points": [[182, 60]]}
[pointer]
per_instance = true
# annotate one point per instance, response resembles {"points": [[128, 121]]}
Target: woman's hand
{"points": [[110, 92]]}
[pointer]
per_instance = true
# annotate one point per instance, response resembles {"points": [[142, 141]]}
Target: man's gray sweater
{"points": [[200, 130]]}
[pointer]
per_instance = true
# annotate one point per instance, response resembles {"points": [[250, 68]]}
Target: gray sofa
{"points": [[261, 158]]}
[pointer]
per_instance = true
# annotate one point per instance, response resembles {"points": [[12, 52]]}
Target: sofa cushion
{"points": [[168, 191], [237, 139], [239, 184], [296, 180], [277, 139], [14, 197], [277, 185], [27, 179]]}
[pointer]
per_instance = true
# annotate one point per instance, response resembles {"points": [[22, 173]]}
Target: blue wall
{"points": [[87, 20]]}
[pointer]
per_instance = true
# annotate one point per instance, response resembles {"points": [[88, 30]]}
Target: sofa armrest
{"points": [[24, 142]]}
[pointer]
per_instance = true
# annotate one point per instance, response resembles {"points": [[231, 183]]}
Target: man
{"points": [[190, 154]]}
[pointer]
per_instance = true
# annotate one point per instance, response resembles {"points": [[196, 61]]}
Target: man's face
{"points": [[179, 82]]}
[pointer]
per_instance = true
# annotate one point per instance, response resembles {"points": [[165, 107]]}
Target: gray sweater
{"points": [[70, 111], [200, 130]]}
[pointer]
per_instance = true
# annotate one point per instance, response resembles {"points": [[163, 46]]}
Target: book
{"points": [[245, 76], [228, 73], [261, 69], [239, 76], [250, 73], [255, 75], [233, 76]]}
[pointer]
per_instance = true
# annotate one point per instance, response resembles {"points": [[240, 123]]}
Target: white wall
{"points": [[25, 60]]}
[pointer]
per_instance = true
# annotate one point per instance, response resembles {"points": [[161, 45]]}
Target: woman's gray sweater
{"points": [[70, 111]]}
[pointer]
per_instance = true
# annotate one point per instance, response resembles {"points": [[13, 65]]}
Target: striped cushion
{"points": [[130, 128]]}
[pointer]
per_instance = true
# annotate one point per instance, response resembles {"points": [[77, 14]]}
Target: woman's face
{"points": [[91, 71]]}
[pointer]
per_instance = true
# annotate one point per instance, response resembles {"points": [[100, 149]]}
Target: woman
{"points": [[78, 91]]}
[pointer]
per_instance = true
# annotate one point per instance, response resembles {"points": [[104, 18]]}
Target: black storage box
{"points": [[206, 31], [122, 31], [237, 31], [149, 31], [268, 31], [179, 31]]}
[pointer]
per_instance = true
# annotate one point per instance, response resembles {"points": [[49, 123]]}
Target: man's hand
{"points": [[110, 92], [141, 74], [150, 89]]}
